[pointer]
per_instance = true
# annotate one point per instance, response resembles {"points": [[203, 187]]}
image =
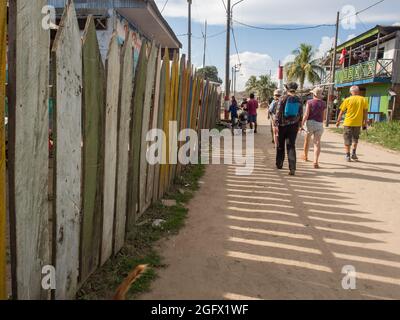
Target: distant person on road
{"points": [[244, 104], [272, 113], [233, 110], [252, 107], [356, 110], [313, 121], [287, 125]]}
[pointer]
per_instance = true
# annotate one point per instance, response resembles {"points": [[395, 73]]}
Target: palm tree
{"points": [[251, 84], [304, 67], [265, 87]]}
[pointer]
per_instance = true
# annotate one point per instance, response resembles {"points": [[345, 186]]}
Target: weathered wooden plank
{"points": [[28, 152], [154, 123], [93, 111], [67, 53], [124, 121], [110, 157], [136, 133], [3, 52], [196, 105], [160, 122], [171, 138], [167, 111], [181, 97], [151, 77]]}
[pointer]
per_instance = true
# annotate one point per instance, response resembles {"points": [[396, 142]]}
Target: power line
{"points": [[236, 47], [165, 4], [371, 6], [306, 28], [202, 37], [281, 28], [226, 8]]}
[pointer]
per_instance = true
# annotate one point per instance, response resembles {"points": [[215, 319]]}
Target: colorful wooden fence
{"points": [[3, 50], [100, 181]]}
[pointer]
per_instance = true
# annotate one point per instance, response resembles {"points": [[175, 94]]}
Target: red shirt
{"points": [[252, 107]]}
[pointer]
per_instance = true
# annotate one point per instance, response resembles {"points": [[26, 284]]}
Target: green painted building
{"points": [[372, 62]]}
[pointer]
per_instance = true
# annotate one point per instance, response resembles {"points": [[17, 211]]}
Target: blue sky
{"points": [[260, 50]]}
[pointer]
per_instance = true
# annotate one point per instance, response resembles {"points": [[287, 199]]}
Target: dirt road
{"points": [[271, 236]]}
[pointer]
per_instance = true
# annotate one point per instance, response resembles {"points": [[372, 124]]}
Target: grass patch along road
{"points": [[386, 134], [139, 246]]}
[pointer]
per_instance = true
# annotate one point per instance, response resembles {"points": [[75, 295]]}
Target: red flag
{"points": [[343, 56]]}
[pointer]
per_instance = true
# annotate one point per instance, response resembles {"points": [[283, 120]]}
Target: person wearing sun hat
{"points": [[287, 125], [272, 113], [313, 121]]}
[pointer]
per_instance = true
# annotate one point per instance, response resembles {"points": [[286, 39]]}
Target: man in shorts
{"points": [[356, 110], [252, 107]]}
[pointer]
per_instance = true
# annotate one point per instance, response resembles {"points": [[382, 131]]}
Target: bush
{"points": [[386, 134]]}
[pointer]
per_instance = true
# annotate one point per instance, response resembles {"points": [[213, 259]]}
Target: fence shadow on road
{"points": [[294, 235]]}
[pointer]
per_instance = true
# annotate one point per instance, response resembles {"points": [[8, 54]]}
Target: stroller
{"points": [[243, 118]]}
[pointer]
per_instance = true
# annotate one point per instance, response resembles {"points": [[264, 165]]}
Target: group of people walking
{"points": [[250, 107], [288, 117]]}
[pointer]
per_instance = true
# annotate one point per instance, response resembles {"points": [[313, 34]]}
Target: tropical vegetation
{"points": [[304, 67]]}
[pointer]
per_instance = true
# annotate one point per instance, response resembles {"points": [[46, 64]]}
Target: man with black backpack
{"points": [[288, 122]]}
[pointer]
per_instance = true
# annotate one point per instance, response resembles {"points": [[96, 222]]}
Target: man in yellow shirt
{"points": [[356, 109]]}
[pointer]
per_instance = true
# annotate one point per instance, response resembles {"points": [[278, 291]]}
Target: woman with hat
{"points": [[272, 113], [313, 122]]}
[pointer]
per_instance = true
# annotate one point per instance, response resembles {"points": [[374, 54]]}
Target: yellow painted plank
{"points": [[3, 49], [174, 99], [165, 150]]}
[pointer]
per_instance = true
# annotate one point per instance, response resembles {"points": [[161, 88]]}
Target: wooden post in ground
{"points": [[93, 113], [110, 155], [3, 52], [28, 60], [67, 55], [160, 121], [154, 125], [151, 77], [135, 139], [124, 122]]}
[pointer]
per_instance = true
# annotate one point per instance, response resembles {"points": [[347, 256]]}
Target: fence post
{"points": [[110, 144], [67, 54], [135, 139], [124, 121], [28, 152], [3, 51], [93, 114]]}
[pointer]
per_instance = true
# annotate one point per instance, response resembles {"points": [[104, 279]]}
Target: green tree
{"points": [[263, 86], [304, 67], [210, 73], [251, 84]]}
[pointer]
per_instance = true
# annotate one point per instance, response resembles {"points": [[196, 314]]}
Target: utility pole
{"points": [[190, 31], [227, 57], [333, 73], [228, 46], [205, 45]]}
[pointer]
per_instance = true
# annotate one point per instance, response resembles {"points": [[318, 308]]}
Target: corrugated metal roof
{"points": [[99, 4], [124, 7]]}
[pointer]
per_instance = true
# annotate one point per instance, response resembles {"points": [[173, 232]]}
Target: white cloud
{"points": [[289, 58], [253, 64], [351, 36], [397, 24], [325, 46], [288, 12]]}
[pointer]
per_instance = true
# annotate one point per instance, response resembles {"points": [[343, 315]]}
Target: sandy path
{"points": [[271, 236]]}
